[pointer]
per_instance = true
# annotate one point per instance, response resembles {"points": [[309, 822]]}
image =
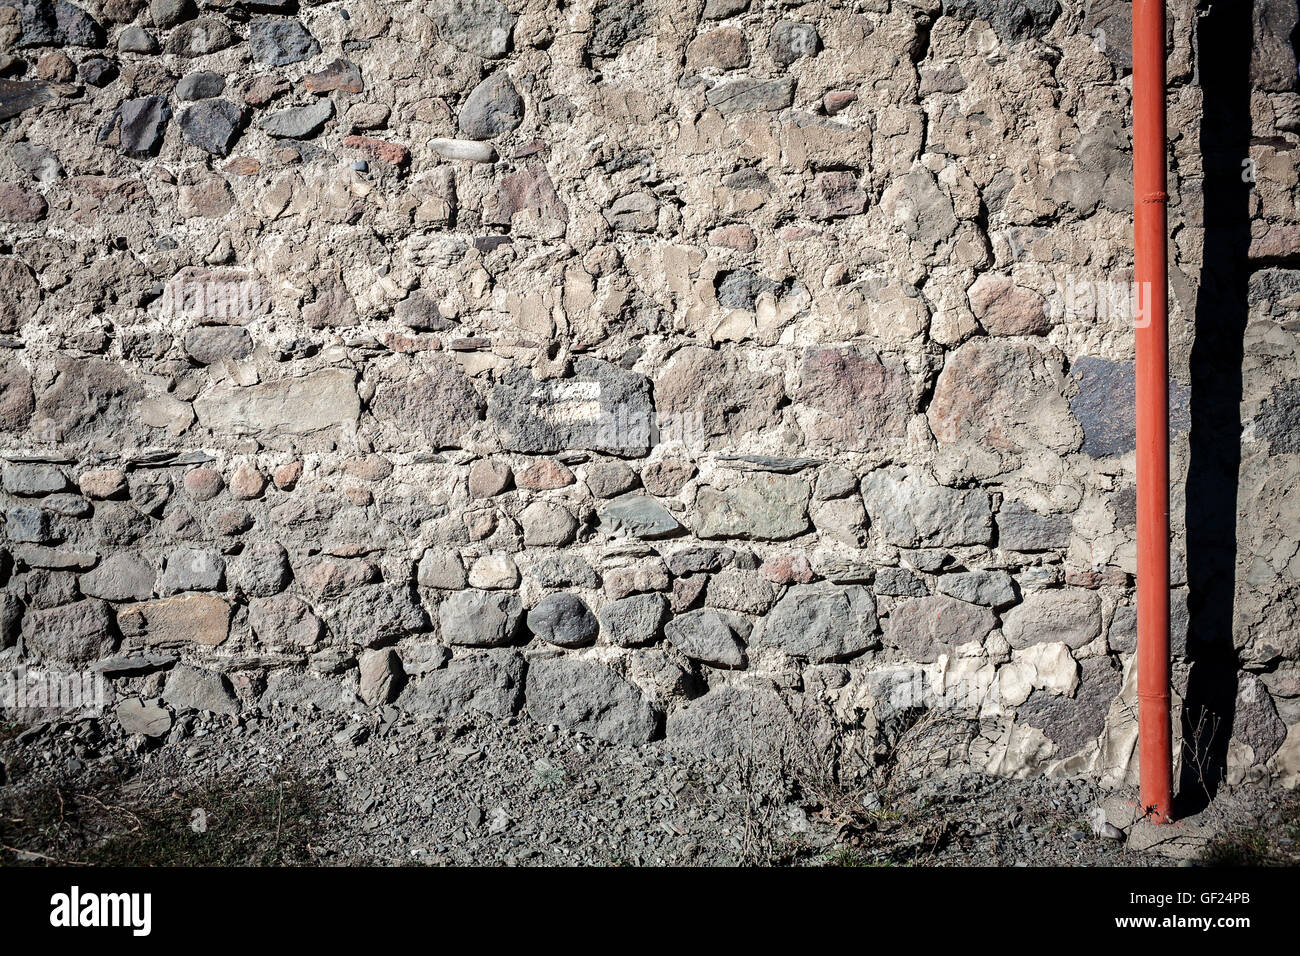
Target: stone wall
{"points": [[699, 368]]}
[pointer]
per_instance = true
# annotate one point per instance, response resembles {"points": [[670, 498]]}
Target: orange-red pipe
{"points": [[1155, 753]]}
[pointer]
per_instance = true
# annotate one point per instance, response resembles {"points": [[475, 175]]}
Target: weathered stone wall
{"points": [[653, 366]]}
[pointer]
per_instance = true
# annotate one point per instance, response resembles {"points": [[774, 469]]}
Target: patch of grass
{"points": [[846, 856], [107, 824]]}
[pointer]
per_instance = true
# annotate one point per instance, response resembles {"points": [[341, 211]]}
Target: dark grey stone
{"points": [[790, 41], [280, 42], [1022, 529], [299, 122], [822, 622], [1012, 20], [740, 288], [601, 408], [990, 588], [563, 620], [189, 688], [899, 582], [481, 27], [709, 636], [1073, 722], [492, 108], [1255, 720], [378, 614], [1106, 406], [202, 85], [639, 516], [480, 618], [747, 95], [617, 23], [140, 124], [486, 682], [210, 344], [212, 125]]}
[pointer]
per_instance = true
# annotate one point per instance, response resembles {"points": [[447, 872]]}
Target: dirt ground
{"points": [[396, 791]]}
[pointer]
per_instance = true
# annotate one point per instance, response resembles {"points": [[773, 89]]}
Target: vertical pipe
{"points": [[1151, 339]]}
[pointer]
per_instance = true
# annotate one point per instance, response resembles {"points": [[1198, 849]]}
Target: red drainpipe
{"points": [[1149, 231]]}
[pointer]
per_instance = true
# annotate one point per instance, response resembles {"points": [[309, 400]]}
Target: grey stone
{"points": [[924, 628], [435, 403], [563, 620], [561, 570], [492, 108], [639, 516], [260, 570], [189, 688], [617, 23], [200, 37], [765, 507], [1073, 722], [699, 560], [734, 589], [722, 9], [77, 633], [312, 692], [1072, 616], [26, 523], [991, 588], [299, 122], [899, 582], [822, 622], [1121, 636], [200, 86], [136, 39], [481, 27], [1020, 528], [748, 95], [709, 636], [740, 288], [193, 569], [420, 311], [380, 676], [212, 125], [140, 124], [1255, 720], [1278, 421], [1012, 20], [11, 619], [122, 576], [297, 406], [1273, 51], [910, 512], [634, 212], [168, 13], [441, 569], [376, 614], [635, 620], [480, 618], [95, 70], [546, 524], [734, 723], [57, 23], [284, 621], [145, 717], [38, 162], [792, 40], [1106, 406], [33, 479], [601, 408], [588, 697], [483, 682], [210, 344], [280, 42], [609, 479]]}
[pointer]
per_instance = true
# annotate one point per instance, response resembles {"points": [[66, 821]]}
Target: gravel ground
{"points": [[395, 790]]}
